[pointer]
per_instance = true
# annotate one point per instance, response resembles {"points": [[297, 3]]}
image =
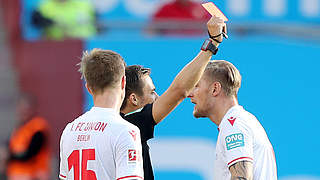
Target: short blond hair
{"points": [[101, 69], [226, 74]]}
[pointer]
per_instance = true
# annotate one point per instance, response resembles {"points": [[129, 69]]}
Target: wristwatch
{"points": [[207, 45]]}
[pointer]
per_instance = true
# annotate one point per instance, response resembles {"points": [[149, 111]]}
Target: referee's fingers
{"points": [[215, 20]]}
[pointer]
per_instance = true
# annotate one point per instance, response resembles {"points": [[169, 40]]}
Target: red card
{"points": [[214, 10]]}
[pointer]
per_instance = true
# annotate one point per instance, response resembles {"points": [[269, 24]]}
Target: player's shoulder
{"points": [[120, 124], [65, 132], [237, 119], [75, 121], [122, 129]]}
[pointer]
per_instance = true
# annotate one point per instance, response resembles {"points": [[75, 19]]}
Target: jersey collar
{"points": [[138, 110]]}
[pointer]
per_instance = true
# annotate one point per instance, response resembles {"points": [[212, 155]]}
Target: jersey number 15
{"points": [[74, 161]]}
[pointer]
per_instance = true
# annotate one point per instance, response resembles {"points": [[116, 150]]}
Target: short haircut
{"points": [[101, 69], [134, 83], [226, 74]]}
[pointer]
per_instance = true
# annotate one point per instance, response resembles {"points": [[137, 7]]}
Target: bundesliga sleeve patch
{"points": [[132, 156], [234, 141]]}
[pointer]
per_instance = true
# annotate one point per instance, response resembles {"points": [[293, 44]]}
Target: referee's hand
{"points": [[216, 26]]}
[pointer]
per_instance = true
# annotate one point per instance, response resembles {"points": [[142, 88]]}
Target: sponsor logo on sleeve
{"points": [[234, 141]]}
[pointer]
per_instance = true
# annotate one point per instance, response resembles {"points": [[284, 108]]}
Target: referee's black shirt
{"points": [[143, 119]]}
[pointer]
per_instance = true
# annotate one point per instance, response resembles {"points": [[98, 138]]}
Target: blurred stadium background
{"points": [[274, 43]]}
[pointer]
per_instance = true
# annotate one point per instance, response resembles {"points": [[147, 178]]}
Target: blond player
{"points": [[100, 144], [243, 150]]}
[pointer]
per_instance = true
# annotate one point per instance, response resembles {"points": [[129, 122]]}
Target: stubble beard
{"points": [[197, 113]]}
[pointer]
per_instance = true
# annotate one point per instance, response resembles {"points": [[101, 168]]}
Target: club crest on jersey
{"points": [[234, 141], [231, 120], [132, 156]]}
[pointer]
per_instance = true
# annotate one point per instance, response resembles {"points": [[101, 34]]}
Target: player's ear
{"points": [[215, 89], [134, 99], [123, 82], [88, 88]]}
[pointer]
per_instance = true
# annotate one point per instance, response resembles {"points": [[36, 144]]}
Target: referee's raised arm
{"points": [[191, 73]]}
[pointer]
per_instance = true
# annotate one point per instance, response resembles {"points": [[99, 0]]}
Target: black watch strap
{"points": [[207, 45]]}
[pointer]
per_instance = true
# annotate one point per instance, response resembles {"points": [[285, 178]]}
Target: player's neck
{"points": [[110, 98], [221, 109], [126, 110]]}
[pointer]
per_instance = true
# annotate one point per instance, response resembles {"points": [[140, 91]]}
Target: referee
{"points": [[145, 109]]}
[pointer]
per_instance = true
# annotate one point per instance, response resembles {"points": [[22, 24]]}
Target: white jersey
{"points": [[100, 145], [242, 138]]}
